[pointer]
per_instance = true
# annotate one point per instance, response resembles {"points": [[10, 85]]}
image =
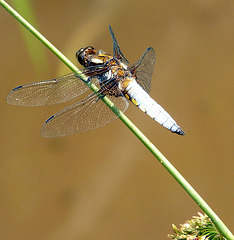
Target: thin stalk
{"points": [[224, 231]]}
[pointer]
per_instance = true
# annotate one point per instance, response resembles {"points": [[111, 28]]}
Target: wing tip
{"points": [[49, 119], [112, 33], [17, 88], [10, 97]]}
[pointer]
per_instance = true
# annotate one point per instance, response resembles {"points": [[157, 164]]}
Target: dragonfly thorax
{"points": [[109, 67]]}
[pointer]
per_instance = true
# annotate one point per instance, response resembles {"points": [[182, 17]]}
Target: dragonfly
{"points": [[113, 76]]}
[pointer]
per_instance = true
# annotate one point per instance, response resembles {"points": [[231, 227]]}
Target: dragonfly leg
{"points": [[85, 81], [100, 96]]}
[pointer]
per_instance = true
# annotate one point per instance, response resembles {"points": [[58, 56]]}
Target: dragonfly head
{"points": [[84, 56]]}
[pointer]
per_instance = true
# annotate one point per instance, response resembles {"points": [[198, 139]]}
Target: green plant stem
{"points": [[170, 168]]}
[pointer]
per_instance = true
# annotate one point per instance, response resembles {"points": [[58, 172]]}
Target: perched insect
{"points": [[115, 79]]}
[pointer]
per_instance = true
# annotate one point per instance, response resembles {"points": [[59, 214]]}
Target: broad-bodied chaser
{"points": [[117, 80]]}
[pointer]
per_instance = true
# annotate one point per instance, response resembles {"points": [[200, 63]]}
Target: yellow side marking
{"points": [[126, 95], [134, 101]]}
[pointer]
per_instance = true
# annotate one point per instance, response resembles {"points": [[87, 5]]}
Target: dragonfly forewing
{"points": [[116, 49], [48, 92]]}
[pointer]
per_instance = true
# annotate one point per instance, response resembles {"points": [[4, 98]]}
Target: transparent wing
{"points": [[85, 115], [55, 90], [143, 69], [48, 92], [116, 50]]}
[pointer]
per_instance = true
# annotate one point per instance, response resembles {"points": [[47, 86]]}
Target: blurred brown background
{"points": [[104, 184]]}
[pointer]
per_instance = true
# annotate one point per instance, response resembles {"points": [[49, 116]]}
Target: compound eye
{"points": [[90, 50], [84, 54], [79, 52], [80, 56]]}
